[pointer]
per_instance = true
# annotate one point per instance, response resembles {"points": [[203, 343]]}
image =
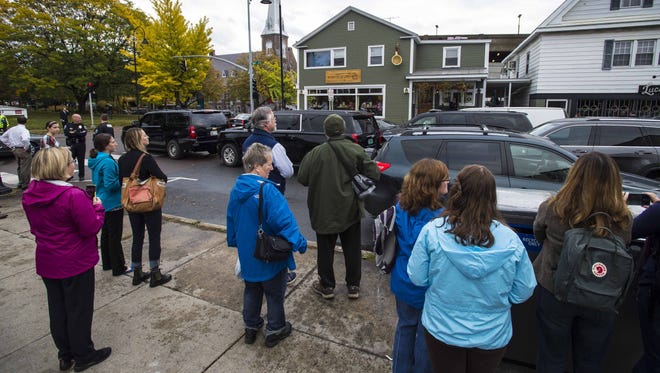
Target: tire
{"points": [[230, 155], [174, 150]]}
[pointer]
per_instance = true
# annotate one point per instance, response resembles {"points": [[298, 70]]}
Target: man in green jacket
{"points": [[334, 209]]}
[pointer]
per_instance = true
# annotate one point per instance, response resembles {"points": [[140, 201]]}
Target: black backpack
{"points": [[593, 271]]}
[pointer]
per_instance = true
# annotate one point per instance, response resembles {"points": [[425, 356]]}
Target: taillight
{"points": [[383, 166], [354, 137], [191, 132]]}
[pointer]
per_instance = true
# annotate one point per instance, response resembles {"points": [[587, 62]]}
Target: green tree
{"points": [[52, 49], [166, 79], [267, 73]]}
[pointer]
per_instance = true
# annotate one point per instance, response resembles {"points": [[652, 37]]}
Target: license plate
{"points": [[214, 133]]}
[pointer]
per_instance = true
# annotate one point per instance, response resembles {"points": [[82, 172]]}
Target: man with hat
{"points": [[334, 209]]}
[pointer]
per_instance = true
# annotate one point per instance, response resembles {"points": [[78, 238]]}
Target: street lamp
{"points": [[144, 42], [251, 73], [279, 11]]}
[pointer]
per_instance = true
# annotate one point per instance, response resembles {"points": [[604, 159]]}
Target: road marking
{"points": [[171, 179]]}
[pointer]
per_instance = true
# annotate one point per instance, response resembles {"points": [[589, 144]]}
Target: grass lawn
{"points": [[37, 120]]}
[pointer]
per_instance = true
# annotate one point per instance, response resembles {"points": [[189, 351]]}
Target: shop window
{"points": [[451, 56], [376, 53], [320, 58]]}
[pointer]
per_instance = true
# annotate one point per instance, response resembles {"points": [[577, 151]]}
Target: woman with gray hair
{"points": [[243, 221]]}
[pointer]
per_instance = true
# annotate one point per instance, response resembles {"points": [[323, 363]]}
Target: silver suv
{"points": [[633, 143]]}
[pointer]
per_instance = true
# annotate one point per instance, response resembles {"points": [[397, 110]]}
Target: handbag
{"points": [[269, 248], [142, 195], [362, 185]]}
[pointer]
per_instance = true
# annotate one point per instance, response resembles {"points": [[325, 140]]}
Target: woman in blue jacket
{"points": [[105, 175], [419, 202], [475, 268], [261, 277]]}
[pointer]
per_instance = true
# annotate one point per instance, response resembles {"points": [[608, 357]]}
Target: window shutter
{"points": [[614, 4], [647, 3], [607, 54]]}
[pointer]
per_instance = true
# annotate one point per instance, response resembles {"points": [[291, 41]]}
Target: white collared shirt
{"points": [[17, 137]]}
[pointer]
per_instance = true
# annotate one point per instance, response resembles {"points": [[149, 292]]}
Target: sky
{"points": [[229, 19]]}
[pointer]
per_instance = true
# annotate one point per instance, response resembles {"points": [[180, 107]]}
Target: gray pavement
{"points": [[194, 323]]}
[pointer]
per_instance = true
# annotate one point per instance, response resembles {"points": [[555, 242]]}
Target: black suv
{"points": [[633, 143], [299, 131], [506, 120], [181, 131]]}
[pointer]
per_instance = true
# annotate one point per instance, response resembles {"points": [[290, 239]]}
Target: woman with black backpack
{"points": [[593, 186]]}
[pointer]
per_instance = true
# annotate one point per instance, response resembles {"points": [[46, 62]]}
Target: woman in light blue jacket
{"points": [[475, 268]]}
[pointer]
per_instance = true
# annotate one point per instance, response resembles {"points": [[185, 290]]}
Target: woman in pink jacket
{"points": [[65, 221]]}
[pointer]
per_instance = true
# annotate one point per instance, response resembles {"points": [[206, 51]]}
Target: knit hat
{"points": [[334, 125]]}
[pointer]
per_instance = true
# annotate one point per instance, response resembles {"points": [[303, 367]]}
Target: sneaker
{"points": [[353, 292], [273, 339], [250, 336], [99, 356], [326, 293], [290, 278]]}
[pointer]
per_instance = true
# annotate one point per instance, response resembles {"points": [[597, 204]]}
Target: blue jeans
{"points": [[561, 325], [253, 295], [410, 353]]}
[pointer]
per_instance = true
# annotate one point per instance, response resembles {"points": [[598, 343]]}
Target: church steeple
{"points": [[270, 37]]}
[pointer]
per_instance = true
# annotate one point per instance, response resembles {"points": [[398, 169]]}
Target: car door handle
{"points": [[579, 151], [643, 152]]}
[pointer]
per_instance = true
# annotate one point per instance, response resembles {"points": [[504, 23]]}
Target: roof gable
{"points": [[346, 11]]}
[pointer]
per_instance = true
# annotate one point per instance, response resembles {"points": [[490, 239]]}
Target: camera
{"points": [[91, 190]]}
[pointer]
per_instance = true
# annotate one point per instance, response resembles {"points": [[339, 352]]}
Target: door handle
{"points": [[580, 151], [643, 152]]}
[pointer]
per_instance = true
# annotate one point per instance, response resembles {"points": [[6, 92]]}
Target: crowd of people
{"points": [[459, 267]]}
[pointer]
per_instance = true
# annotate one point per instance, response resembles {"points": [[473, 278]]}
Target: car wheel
{"points": [[230, 155], [174, 150]]}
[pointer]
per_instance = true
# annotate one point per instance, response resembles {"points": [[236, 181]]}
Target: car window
{"points": [[147, 119], [208, 119], [414, 150], [427, 119], [515, 122], [621, 136], [452, 118], [654, 135], [577, 135], [538, 164], [288, 122], [177, 120], [462, 153], [364, 125]]}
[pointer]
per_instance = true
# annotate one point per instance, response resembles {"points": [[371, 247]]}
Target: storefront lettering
{"points": [[649, 90], [343, 76]]}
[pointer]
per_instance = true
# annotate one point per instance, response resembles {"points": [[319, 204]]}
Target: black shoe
{"points": [[273, 339], [66, 364], [2, 216], [124, 270], [353, 292], [158, 278], [250, 336], [326, 293], [99, 356], [291, 278], [139, 276]]}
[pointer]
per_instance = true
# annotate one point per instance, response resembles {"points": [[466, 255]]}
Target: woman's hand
{"points": [[96, 201], [652, 196]]}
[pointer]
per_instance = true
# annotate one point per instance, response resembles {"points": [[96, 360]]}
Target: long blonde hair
{"points": [[133, 140], [593, 185]]}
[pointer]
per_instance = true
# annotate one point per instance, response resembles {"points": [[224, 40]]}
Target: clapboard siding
{"points": [[572, 63], [588, 10]]}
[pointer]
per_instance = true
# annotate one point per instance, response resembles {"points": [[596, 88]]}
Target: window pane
{"points": [[375, 55], [571, 136], [288, 122], [621, 136], [630, 3], [538, 164], [318, 59], [644, 54], [462, 153], [451, 57], [416, 150], [654, 134], [622, 51], [339, 57]]}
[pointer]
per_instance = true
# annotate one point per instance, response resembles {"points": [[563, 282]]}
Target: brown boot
{"points": [[139, 276], [158, 278]]}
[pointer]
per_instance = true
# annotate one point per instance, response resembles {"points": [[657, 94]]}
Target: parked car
{"points": [[228, 113], [299, 131], [240, 120], [536, 115], [633, 143], [35, 141], [507, 120], [181, 131]]}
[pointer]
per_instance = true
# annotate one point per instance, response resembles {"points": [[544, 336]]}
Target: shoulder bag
{"points": [[142, 195], [269, 248], [362, 185]]}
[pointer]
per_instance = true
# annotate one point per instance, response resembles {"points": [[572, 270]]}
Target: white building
{"points": [[593, 58]]}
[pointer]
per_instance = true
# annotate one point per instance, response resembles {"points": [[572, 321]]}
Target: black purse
{"points": [[362, 185], [269, 248]]}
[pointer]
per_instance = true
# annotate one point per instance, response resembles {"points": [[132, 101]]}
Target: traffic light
{"points": [[255, 92], [90, 87]]}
